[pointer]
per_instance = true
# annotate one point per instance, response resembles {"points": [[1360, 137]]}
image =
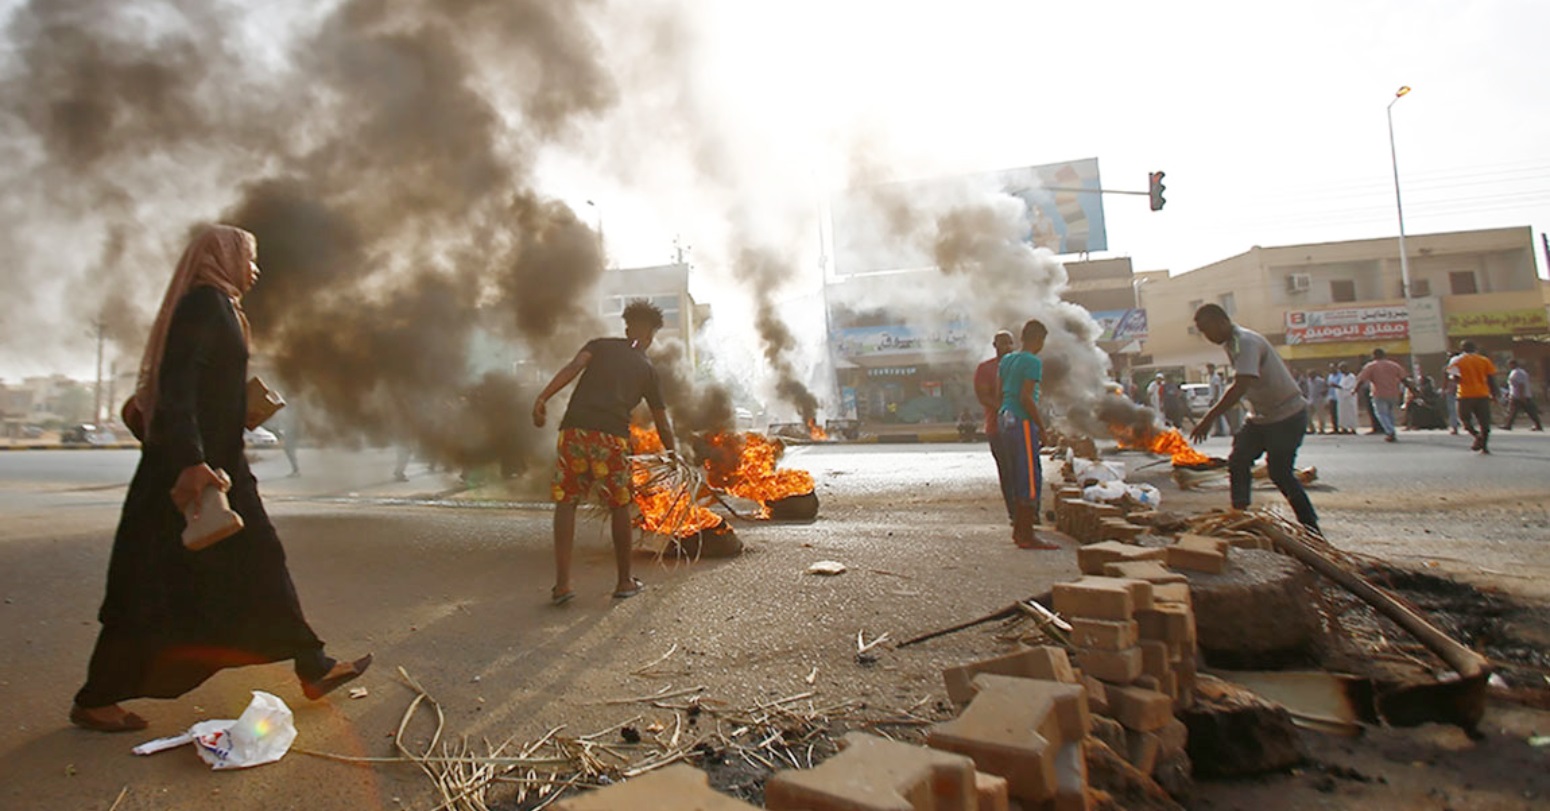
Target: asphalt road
{"points": [[456, 595]]}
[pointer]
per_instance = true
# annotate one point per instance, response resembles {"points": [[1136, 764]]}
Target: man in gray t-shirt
{"points": [[1280, 412]]}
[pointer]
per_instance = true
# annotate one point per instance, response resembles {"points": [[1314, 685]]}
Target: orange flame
{"points": [[664, 511], [816, 433], [1164, 443], [744, 466]]}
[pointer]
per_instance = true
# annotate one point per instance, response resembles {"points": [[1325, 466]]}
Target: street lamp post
{"points": [[1404, 257]]}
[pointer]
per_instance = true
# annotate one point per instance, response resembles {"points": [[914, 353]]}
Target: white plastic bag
{"points": [[1088, 470], [262, 735], [1104, 492], [1145, 495]]}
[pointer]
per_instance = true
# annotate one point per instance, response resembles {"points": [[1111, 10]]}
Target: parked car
{"points": [[87, 434], [1198, 397], [260, 437]]}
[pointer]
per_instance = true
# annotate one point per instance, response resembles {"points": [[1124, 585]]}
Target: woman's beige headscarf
{"points": [[218, 257]]}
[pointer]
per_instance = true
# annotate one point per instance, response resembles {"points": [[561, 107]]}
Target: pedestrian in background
{"points": [[1318, 399], [1386, 380], [173, 617], [1280, 413], [987, 389], [1021, 429], [1333, 403], [1346, 396], [1450, 393], [1216, 386], [1520, 396], [594, 442], [1475, 389]]}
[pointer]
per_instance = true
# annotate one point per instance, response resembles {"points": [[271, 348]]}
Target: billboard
{"points": [[1346, 324], [1064, 213], [1121, 325], [1527, 321], [899, 339]]}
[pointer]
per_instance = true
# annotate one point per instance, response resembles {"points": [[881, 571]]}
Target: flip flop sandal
{"points": [[315, 690], [129, 723], [562, 599], [626, 594]]}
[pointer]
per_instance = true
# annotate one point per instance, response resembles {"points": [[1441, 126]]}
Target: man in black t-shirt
{"points": [[594, 445]]}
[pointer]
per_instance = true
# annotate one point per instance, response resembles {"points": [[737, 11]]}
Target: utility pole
{"points": [[96, 411]]}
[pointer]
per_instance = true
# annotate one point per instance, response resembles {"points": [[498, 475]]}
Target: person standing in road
{"points": [[1387, 380], [1476, 388], [1318, 397], [1347, 398], [594, 442], [172, 617], [1332, 404], [1154, 393], [1280, 413], [1216, 386], [1450, 393], [1021, 428], [1520, 396], [987, 389]]}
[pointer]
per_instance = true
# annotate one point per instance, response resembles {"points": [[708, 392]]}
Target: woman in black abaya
{"points": [[172, 617]]}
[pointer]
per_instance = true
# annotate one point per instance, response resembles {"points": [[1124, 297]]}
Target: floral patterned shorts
{"points": [[592, 459]]}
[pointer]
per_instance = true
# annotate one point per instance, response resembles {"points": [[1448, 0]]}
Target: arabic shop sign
{"points": [[1386, 323], [1530, 321]]}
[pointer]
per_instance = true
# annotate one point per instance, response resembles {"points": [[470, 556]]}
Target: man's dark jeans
{"points": [[1279, 442], [1474, 410]]}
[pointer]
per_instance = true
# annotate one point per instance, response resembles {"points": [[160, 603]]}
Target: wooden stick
{"points": [[1464, 661], [1010, 611], [121, 793]]}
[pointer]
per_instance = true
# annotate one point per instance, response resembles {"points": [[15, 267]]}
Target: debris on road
{"points": [[826, 568]]}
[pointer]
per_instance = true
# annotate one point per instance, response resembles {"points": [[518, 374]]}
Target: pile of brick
{"points": [[1026, 720]]}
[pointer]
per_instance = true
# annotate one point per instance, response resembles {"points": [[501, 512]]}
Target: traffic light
{"points": [[1155, 188]]}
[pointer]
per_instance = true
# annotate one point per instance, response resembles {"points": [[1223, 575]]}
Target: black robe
{"points": [[171, 617]]}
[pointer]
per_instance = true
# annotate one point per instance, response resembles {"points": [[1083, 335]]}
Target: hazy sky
{"points": [[1269, 119]]}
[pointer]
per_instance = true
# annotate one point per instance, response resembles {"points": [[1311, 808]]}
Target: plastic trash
{"points": [[826, 567], [1104, 492], [1088, 470], [1145, 495], [263, 734]]}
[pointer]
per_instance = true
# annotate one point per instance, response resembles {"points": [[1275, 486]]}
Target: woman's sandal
{"points": [[636, 588], [128, 722], [315, 690]]}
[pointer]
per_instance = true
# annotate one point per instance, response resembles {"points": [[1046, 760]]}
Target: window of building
{"points": [[1462, 282], [1229, 303], [1342, 290], [1420, 287]]}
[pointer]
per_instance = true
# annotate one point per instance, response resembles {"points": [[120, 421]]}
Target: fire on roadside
{"points": [[1169, 443], [817, 433], [664, 511], [744, 465]]}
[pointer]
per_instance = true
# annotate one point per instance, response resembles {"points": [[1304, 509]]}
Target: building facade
{"points": [[1337, 301]]}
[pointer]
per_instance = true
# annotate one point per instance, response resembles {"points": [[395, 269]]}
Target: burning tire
{"points": [[719, 541], [802, 507]]}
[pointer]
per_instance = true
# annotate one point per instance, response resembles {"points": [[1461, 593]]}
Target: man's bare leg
{"points": [[564, 541], [624, 536]]}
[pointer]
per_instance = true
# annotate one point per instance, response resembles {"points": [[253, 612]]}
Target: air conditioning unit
{"points": [[1298, 282]]}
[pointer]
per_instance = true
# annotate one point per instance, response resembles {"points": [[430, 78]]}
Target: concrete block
{"points": [[1113, 666], [1071, 778], [1104, 634], [1097, 697], [1044, 662], [1138, 709], [876, 774], [1172, 593], [1118, 529], [1168, 622], [1143, 750], [990, 792], [1100, 598], [1014, 728], [1155, 660], [1111, 732], [1172, 739], [1092, 558], [1152, 571], [674, 788], [1198, 553]]}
